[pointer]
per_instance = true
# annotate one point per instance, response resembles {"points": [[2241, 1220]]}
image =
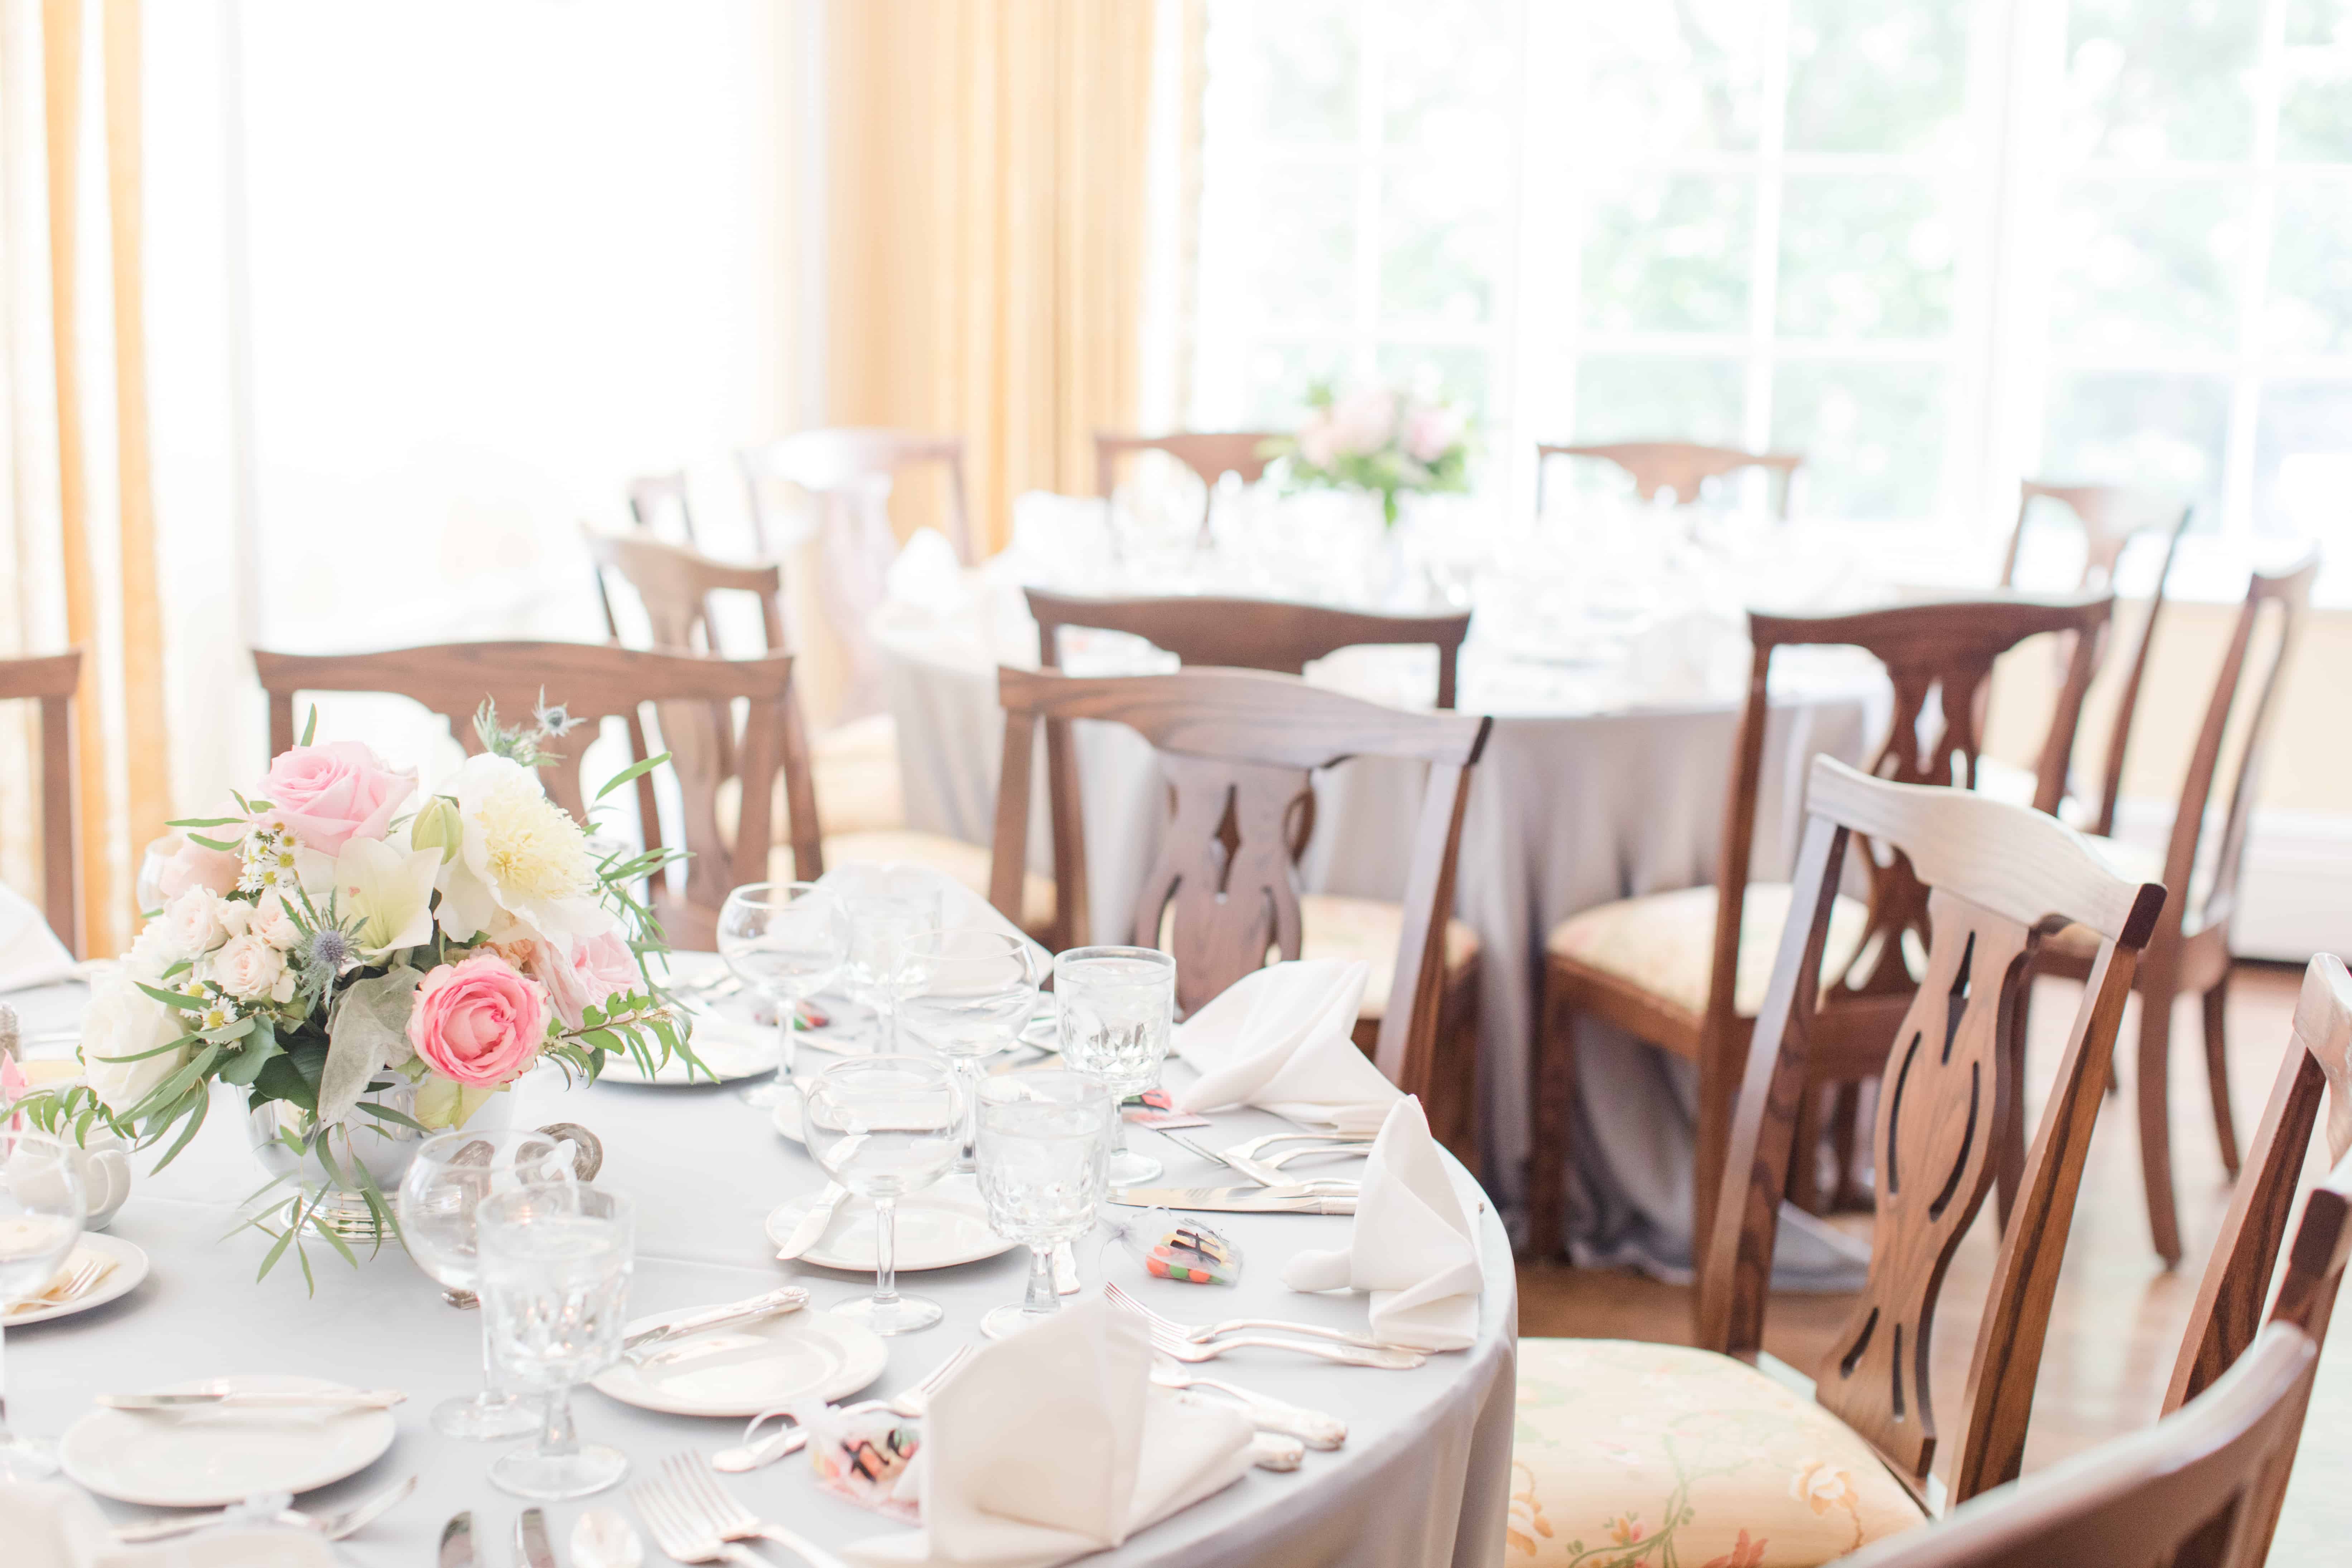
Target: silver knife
{"points": [[530, 1540], [1236, 1200], [786, 1298], [458, 1540], [291, 1399], [812, 1227]]}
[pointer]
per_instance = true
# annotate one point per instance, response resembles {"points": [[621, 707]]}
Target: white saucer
{"points": [[758, 1366], [730, 1051], [129, 1268], [787, 1115], [213, 1458], [939, 1227]]}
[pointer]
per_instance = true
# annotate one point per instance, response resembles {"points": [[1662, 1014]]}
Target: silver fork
{"points": [[1276, 1161], [1264, 1176], [1252, 1148], [909, 1403], [1111, 1292], [1387, 1358], [1315, 1429], [714, 1508], [679, 1532]]}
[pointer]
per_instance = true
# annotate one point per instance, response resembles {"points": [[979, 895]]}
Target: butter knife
{"points": [[530, 1540], [458, 1540], [293, 1399], [1237, 1200], [812, 1227], [786, 1298]]}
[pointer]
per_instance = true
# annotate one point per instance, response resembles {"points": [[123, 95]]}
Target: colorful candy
{"points": [[1170, 1247]]}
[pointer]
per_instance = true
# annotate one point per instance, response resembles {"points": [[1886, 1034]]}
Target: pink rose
{"points": [[1362, 422], [194, 865], [478, 1022], [600, 966], [329, 795], [1430, 433]]}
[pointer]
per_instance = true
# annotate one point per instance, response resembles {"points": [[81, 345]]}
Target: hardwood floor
{"points": [[2115, 1328]]}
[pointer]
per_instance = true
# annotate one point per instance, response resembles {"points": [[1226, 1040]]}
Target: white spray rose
{"points": [[193, 921], [251, 970], [272, 924], [122, 1021]]}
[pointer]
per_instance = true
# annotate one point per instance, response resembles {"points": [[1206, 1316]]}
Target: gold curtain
{"points": [[82, 556], [985, 230]]}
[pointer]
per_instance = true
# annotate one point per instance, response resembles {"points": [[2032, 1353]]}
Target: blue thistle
{"points": [[328, 950]]}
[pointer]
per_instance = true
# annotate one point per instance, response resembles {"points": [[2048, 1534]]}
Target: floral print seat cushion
{"points": [[1645, 1456]]}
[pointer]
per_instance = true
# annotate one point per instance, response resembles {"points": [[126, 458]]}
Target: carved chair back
{"points": [[1998, 877], [51, 679], [592, 683], [1210, 454], [658, 504], [1237, 748], [845, 468], [1677, 466]]}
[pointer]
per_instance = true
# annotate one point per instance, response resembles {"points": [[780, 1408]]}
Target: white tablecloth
{"points": [[1422, 1482]]}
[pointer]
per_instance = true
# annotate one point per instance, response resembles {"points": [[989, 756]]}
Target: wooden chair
{"points": [[2203, 1487], [838, 801], [658, 500], [1237, 748], [843, 468], [2191, 953], [592, 683], [1686, 971], [1653, 1425], [51, 679], [1210, 454], [1678, 466], [1284, 638]]}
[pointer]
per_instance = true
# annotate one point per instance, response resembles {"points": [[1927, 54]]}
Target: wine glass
{"points": [[439, 1205], [883, 930], [1116, 1007], [555, 1262], [1044, 1141], [40, 1219], [885, 1126], [787, 940], [977, 988]]}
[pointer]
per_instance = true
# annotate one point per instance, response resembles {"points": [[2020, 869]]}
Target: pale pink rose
{"points": [[194, 865], [1363, 422], [192, 922], [329, 795], [270, 922], [1317, 443], [478, 1021], [1431, 432], [601, 966], [250, 969]]}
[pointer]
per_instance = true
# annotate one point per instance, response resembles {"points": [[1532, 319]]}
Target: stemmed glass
{"points": [[787, 940], [1044, 1139], [885, 1126], [440, 1203], [40, 1219], [555, 1290], [883, 930], [977, 988], [1116, 1007]]}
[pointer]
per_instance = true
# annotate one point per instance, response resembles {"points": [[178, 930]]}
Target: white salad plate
{"points": [[730, 1051], [787, 1115], [210, 1457], [129, 1268], [753, 1367], [939, 1227]]}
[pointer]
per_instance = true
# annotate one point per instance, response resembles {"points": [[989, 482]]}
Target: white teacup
{"points": [[105, 1166]]}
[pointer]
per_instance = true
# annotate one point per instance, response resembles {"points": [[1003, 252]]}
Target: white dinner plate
{"points": [[758, 1366], [129, 1268], [787, 1115], [213, 1458], [939, 1227], [730, 1051]]}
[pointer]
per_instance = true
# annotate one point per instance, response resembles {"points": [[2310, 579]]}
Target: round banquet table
{"points": [[1599, 783], [1422, 1479]]}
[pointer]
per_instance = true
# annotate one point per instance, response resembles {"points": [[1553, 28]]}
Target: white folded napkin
{"points": [[1282, 1039], [1412, 1246], [30, 952], [1063, 540], [960, 909], [45, 1525], [927, 576], [1054, 1444]]}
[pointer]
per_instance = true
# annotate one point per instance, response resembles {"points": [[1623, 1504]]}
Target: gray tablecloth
{"points": [[1567, 811], [1422, 1482]]}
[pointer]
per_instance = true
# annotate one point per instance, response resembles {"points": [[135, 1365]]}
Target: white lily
{"points": [[390, 889]]}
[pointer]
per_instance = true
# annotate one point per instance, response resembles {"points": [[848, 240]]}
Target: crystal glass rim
{"points": [[1075, 956], [432, 1148], [493, 1211], [939, 937], [1037, 1086], [763, 894], [897, 1061]]}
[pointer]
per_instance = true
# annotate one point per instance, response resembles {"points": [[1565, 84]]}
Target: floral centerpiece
{"points": [[353, 965], [1386, 440]]}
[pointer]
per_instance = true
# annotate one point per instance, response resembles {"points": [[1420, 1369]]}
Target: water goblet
{"points": [[975, 990], [1044, 1141], [883, 930], [787, 940], [439, 1204], [885, 1126], [40, 1219], [555, 1261], [1117, 1005]]}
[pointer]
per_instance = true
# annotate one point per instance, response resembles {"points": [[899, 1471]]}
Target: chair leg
{"points": [[2216, 1004], [2156, 1120], [1555, 1110]]}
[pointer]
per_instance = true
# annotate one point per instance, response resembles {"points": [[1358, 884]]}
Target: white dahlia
{"points": [[521, 855]]}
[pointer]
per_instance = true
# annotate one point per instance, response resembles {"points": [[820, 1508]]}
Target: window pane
{"points": [[1623, 398], [2164, 432], [2315, 123], [1442, 239], [2319, 21], [2148, 264], [2310, 306], [1449, 70], [2162, 78], [1304, 243], [1864, 256], [1671, 78], [1307, 48], [1274, 396], [1876, 76], [1457, 374], [1669, 254], [2303, 459], [1873, 435]]}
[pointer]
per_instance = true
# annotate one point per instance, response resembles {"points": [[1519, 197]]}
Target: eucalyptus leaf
{"points": [[369, 1027]]}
